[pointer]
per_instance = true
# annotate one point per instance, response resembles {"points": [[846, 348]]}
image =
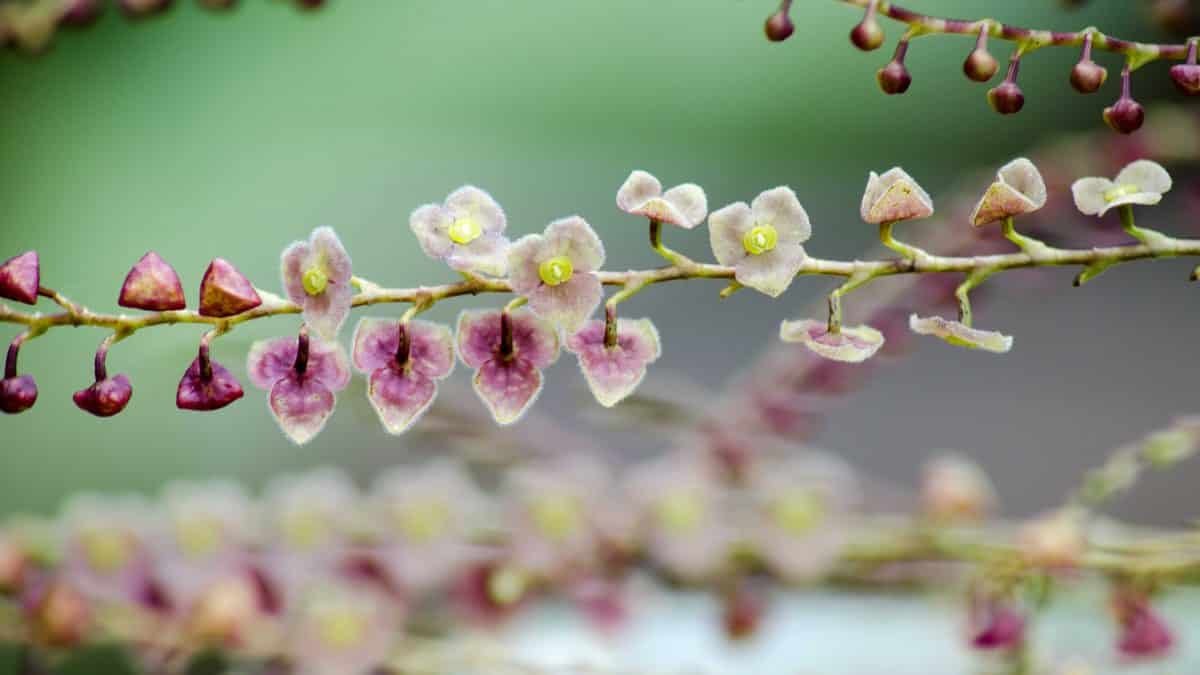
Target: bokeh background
{"points": [[202, 134]]}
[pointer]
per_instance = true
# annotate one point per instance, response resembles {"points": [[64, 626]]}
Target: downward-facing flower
{"points": [[1144, 634], [642, 195], [507, 351], [894, 196], [207, 385], [614, 372], [467, 231], [105, 548], [762, 241], [301, 375], [1019, 189], [960, 334], [316, 276], [848, 344], [403, 361], [556, 270], [1142, 182], [553, 506]]}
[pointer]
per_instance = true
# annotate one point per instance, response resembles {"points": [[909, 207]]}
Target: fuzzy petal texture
{"points": [[683, 205], [326, 311], [479, 337], [574, 237], [225, 291], [726, 228], [301, 405], [1142, 182], [431, 224], [271, 360], [1147, 175], [400, 397], [568, 304], [1019, 189], [471, 202], [780, 208], [197, 393], [508, 388], [430, 346], [20, 277], [894, 196], [850, 345], [771, 273], [1089, 195], [612, 373], [486, 254], [152, 285], [958, 334]]}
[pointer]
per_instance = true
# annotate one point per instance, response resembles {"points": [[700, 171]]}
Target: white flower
{"points": [[1142, 182]]}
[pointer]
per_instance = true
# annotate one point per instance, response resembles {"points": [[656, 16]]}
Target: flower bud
{"points": [[20, 277], [106, 397], [744, 609], [225, 291], [152, 285], [17, 394], [1053, 541], [1006, 99], [79, 13], [1186, 77], [894, 78], [779, 26], [1088, 76], [207, 385], [867, 35], [980, 65], [1125, 116]]}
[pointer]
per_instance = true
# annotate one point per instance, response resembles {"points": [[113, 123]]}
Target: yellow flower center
{"points": [[315, 281], [342, 627], [680, 512], [556, 515], [464, 231], [556, 270], [424, 521], [760, 239], [1120, 191], [106, 551], [198, 536], [798, 512], [506, 585]]}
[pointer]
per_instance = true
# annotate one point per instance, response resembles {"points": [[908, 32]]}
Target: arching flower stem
{"points": [[905, 250], [857, 279], [1035, 248], [963, 292], [671, 256], [1152, 238], [629, 290]]}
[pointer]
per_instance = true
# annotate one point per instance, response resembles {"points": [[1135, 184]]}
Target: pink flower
{"points": [[338, 626], [642, 195], [893, 197], [467, 231], [507, 351], [1019, 189], [960, 334], [316, 276], [955, 489], [849, 344], [995, 624], [301, 375], [762, 241], [105, 549], [403, 362], [612, 373], [557, 271]]}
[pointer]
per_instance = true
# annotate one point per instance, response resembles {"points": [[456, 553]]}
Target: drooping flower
{"points": [[955, 489], [1019, 189], [152, 285], [316, 276], [556, 270], [225, 291], [960, 334], [849, 344], [894, 196], [612, 373], [1144, 634], [762, 241], [508, 351], [20, 277], [1141, 182], [995, 624], [105, 397], [642, 194], [105, 549], [403, 362], [301, 375], [467, 231], [207, 385]]}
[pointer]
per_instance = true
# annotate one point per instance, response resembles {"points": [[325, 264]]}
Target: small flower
{"points": [[316, 276], [490, 590], [849, 344], [225, 291], [1019, 189], [152, 285], [612, 373], [301, 389], [557, 271], [20, 277], [508, 373], [642, 195], [58, 613], [959, 334], [762, 241], [1141, 182], [1144, 634], [467, 231], [893, 197], [105, 397], [403, 362], [207, 385], [955, 489]]}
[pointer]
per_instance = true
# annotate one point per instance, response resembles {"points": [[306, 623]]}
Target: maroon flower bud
{"points": [[1007, 98], [79, 13], [779, 26], [1088, 76], [894, 78], [1187, 75], [980, 65], [310, 4], [995, 625], [1126, 115], [106, 397], [207, 385], [867, 35], [225, 291], [17, 394], [1144, 634], [152, 285], [20, 277]]}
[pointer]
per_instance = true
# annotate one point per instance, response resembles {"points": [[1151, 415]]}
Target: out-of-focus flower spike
{"points": [[152, 285], [225, 291], [20, 278]]}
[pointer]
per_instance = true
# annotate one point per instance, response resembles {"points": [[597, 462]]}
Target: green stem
{"points": [[1153, 238], [1036, 248], [835, 298], [672, 256], [610, 310], [964, 290], [906, 251]]}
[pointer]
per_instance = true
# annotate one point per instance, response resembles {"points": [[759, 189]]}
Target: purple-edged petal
{"points": [[20, 277], [961, 335], [780, 208], [726, 228], [400, 397], [152, 285], [771, 272], [325, 313], [430, 346], [488, 255], [106, 397], [197, 392], [431, 224], [508, 387], [850, 344], [301, 406], [1019, 189], [574, 238], [225, 291], [894, 196], [270, 360], [534, 339], [524, 256], [612, 373], [568, 304], [471, 202]]}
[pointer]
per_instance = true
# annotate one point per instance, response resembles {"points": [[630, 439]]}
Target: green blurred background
{"points": [[200, 134]]}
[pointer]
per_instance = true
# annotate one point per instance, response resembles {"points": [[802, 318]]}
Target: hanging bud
{"points": [[1126, 115], [980, 65], [867, 35], [107, 396], [207, 385], [779, 25], [79, 13], [1087, 76], [225, 291], [1186, 76], [20, 277], [894, 78], [995, 624], [17, 393], [1007, 99], [152, 285]]}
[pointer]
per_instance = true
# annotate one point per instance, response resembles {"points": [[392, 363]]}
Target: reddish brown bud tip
{"points": [[17, 394], [893, 78], [207, 391], [1186, 77], [79, 13], [144, 8], [152, 285], [1088, 76], [20, 277], [106, 397], [867, 35], [779, 26], [1125, 116], [225, 291], [980, 65], [1007, 98]]}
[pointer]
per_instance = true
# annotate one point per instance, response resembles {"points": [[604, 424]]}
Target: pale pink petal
{"points": [[431, 224], [431, 346], [771, 272], [639, 188], [400, 397], [534, 339], [487, 254], [332, 256], [301, 406], [780, 208], [508, 388], [574, 238], [851, 344], [292, 264], [270, 360], [479, 337], [726, 228], [689, 199], [612, 373], [961, 335], [325, 313], [471, 202], [570, 303], [524, 257]]}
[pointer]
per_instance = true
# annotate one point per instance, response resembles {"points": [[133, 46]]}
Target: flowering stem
{"points": [[908, 252], [101, 369], [610, 310], [963, 293], [14, 347], [672, 256], [835, 298], [1034, 247]]}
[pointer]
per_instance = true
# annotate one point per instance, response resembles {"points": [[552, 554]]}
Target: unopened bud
{"points": [[1006, 99], [980, 65], [1088, 76], [867, 35], [894, 78], [779, 26], [1125, 116]]}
